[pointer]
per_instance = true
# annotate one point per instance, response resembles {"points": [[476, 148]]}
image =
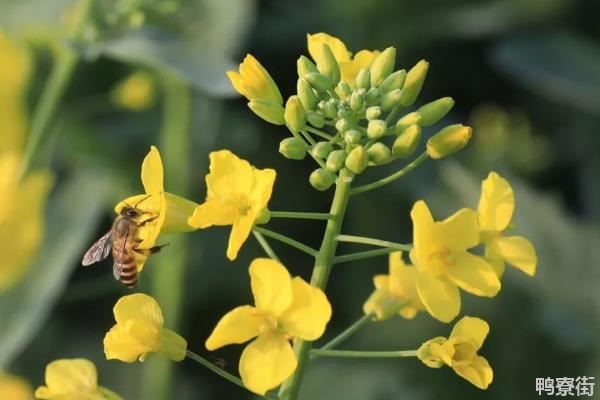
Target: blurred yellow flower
{"points": [[496, 208], [237, 192], [170, 212], [73, 379], [285, 308], [136, 92], [459, 351], [254, 83], [444, 264], [139, 331], [14, 388], [395, 293], [21, 218], [349, 66]]}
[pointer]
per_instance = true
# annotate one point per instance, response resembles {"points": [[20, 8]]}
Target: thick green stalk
{"points": [[323, 262], [168, 269]]}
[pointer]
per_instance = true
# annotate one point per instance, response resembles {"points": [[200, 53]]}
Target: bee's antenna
{"points": [[142, 200]]}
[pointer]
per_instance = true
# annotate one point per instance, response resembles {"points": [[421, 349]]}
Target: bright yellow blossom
{"points": [[285, 308], [459, 351], [395, 293], [444, 264], [14, 388], [254, 83], [139, 331], [166, 212], [496, 208], [349, 66], [136, 92], [73, 379], [237, 193]]}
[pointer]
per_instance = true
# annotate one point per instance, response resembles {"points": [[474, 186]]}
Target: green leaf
{"points": [[72, 218]]}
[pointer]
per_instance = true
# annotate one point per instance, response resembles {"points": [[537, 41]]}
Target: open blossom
{"points": [[73, 379], [237, 193], [395, 293], [285, 308], [496, 208], [139, 331], [444, 264], [459, 352]]}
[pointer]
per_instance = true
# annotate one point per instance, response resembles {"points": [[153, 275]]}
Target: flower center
{"points": [[240, 202], [440, 259], [464, 353], [268, 324]]}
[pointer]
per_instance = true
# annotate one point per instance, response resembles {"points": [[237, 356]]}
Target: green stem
{"points": [[299, 215], [168, 271], [392, 114], [359, 323], [287, 240], [323, 263], [52, 93], [382, 182], [319, 132], [265, 245], [308, 138], [363, 354], [219, 371], [361, 255], [374, 242]]}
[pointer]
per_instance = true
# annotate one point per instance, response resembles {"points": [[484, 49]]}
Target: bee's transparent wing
{"points": [[99, 250]]}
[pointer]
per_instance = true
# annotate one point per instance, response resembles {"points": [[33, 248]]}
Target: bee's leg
{"points": [[151, 250], [144, 222]]}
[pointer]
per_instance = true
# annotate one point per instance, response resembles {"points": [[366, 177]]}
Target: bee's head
{"points": [[131, 212]]}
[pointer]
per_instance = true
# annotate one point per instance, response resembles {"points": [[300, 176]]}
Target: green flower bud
{"points": [[270, 111], [295, 116], [353, 136], [343, 89], [330, 109], [432, 112], [342, 125], [382, 66], [449, 140], [391, 99], [320, 82], [315, 119], [357, 160], [414, 82], [393, 81], [406, 121], [363, 79], [321, 179], [407, 142], [372, 97], [343, 112], [305, 67], [329, 66], [307, 95], [373, 112], [379, 154], [335, 160], [357, 98], [376, 129], [263, 217], [321, 149], [293, 148]]}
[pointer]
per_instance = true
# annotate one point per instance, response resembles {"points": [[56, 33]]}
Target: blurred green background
{"points": [[524, 73]]}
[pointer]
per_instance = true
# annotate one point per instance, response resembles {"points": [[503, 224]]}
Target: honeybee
{"points": [[123, 240]]}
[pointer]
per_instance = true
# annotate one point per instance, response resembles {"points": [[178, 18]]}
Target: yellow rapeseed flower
{"points": [[14, 388], [139, 331], [459, 351], [237, 193], [395, 293], [496, 208], [168, 212], [136, 92], [285, 308], [73, 379], [444, 264], [349, 66]]}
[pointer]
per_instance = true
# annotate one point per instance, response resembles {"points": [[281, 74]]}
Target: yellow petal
{"points": [[381, 281], [152, 172], [402, 278], [237, 326], [212, 212], [257, 83], [474, 275], [408, 312], [264, 179], [70, 376], [267, 362], [429, 352], [120, 345], [309, 313], [239, 233], [238, 82], [475, 330], [517, 251], [138, 306], [14, 388], [479, 373], [338, 48], [172, 345], [495, 259], [271, 286], [460, 231], [497, 203], [423, 227], [349, 69], [440, 298], [228, 175]]}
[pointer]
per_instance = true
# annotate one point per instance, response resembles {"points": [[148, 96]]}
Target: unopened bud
{"points": [[391, 99], [449, 140], [376, 129], [406, 121], [414, 82], [335, 160], [307, 95], [379, 154], [343, 112], [357, 98], [328, 65], [372, 97], [315, 119], [295, 116], [382, 66], [342, 125], [352, 136], [293, 148], [263, 217], [305, 67], [321, 149], [343, 89], [373, 112], [406, 143], [270, 111], [393, 81], [432, 112], [321, 179], [357, 160], [330, 109], [320, 82], [363, 79]]}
